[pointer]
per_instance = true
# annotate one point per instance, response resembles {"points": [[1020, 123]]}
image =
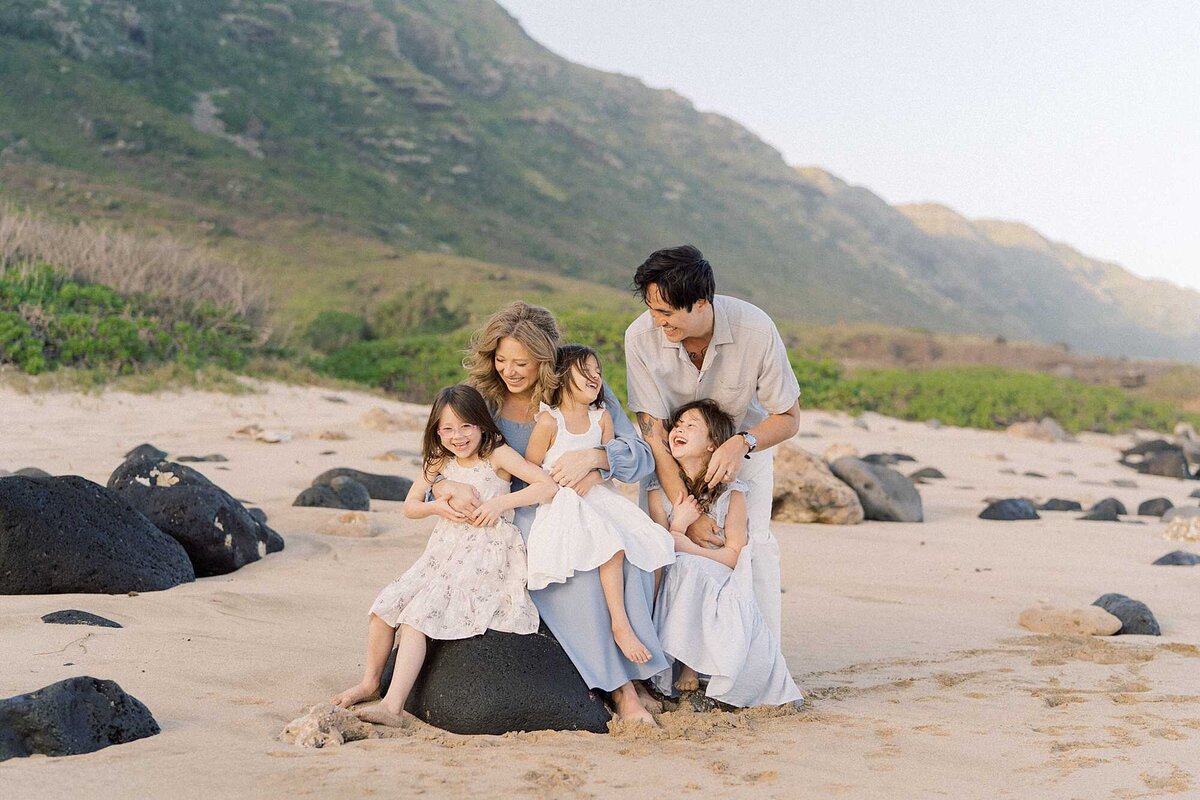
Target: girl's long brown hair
{"points": [[537, 331], [466, 402], [720, 429]]}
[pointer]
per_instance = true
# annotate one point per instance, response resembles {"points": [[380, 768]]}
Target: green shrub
{"points": [[333, 330], [412, 368], [421, 309]]}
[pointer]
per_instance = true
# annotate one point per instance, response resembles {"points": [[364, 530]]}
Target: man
{"points": [[692, 344]]}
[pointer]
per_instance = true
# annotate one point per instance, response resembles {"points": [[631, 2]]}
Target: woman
{"points": [[511, 362]]}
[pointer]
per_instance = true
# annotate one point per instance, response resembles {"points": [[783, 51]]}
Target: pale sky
{"points": [[1079, 118]]}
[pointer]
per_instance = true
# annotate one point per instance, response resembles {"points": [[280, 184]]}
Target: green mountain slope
{"points": [[439, 125]]}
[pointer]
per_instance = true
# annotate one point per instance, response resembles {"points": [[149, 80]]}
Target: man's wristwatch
{"points": [[751, 441]]}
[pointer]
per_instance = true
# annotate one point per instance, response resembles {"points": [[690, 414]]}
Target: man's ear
{"points": [[700, 304]]}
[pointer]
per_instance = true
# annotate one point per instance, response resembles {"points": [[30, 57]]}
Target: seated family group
{"points": [[517, 462]]}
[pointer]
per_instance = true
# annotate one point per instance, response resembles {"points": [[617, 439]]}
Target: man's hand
{"points": [[571, 468], [726, 462], [461, 497], [589, 480], [705, 533]]}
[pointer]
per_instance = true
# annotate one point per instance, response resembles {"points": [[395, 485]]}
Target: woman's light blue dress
{"points": [[575, 611]]}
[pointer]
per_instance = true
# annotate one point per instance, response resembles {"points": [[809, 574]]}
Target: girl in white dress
{"points": [[600, 529], [471, 576], [707, 617]]}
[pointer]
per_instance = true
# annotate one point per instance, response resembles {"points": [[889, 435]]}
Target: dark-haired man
{"points": [[692, 343]]}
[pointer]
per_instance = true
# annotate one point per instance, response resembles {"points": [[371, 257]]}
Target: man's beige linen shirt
{"points": [[746, 368]]}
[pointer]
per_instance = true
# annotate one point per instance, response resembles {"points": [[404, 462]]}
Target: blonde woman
{"points": [[511, 362]]}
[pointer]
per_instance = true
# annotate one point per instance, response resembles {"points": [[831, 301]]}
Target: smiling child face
{"points": [[460, 438], [690, 437], [586, 382]]}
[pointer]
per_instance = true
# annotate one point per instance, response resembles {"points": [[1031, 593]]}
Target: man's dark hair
{"points": [[681, 275]]}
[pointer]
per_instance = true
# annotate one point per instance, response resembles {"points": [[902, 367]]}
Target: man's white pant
{"points": [[759, 474]]}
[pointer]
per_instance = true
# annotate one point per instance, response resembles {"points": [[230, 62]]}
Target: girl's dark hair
{"points": [[681, 274], [468, 404], [720, 429], [571, 356]]}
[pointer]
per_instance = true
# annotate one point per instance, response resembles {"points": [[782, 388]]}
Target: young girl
{"points": [[601, 528], [471, 576], [707, 618]]}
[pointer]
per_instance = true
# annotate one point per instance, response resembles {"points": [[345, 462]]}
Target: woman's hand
{"points": [[443, 509], [488, 513], [726, 462], [572, 468], [461, 497], [589, 480], [684, 511]]}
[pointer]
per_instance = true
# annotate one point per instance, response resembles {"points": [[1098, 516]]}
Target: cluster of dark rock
{"points": [[352, 489], [1160, 457], [155, 525], [1110, 509]]}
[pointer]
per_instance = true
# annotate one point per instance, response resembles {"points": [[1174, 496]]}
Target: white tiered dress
{"points": [[707, 617], [575, 534], [468, 579]]}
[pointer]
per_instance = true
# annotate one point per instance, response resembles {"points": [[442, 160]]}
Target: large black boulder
{"points": [[379, 487], [342, 492], [1157, 457], [1155, 507], [216, 530], [73, 616], [1014, 508], [1135, 615], [67, 534], [1059, 504], [501, 682], [78, 715], [885, 494], [1178, 558]]}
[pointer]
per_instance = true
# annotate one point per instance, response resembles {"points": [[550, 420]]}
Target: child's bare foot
{"points": [[630, 708], [647, 700], [630, 644], [355, 694], [688, 681], [380, 714]]}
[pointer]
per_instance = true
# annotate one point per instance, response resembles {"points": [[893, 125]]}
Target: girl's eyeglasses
{"points": [[448, 432]]}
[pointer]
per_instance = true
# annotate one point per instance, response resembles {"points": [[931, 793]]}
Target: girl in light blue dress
{"points": [[707, 618]]}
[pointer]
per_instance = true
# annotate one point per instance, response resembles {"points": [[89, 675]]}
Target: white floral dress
{"points": [[468, 579]]}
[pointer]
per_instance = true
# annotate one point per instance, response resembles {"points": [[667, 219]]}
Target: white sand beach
{"points": [[903, 637]]}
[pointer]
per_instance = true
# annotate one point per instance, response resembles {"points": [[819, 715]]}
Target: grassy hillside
{"points": [[335, 144]]}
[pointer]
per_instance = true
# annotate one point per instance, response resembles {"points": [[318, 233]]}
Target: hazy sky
{"points": [[1080, 118]]}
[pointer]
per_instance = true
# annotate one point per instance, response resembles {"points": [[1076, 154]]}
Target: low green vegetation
{"points": [[50, 320]]}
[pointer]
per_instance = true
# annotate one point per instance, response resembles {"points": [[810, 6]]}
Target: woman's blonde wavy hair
{"points": [[537, 331]]}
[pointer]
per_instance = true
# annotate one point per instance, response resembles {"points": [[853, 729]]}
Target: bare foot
{"points": [[628, 707], [688, 680], [355, 694], [379, 714], [647, 700], [630, 644]]}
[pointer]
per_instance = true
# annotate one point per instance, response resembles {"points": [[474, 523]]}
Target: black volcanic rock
{"points": [[216, 530], [1178, 558], [379, 487], [1107, 510], [1155, 507], [1011, 509], [342, 492], [926, 473], [1135, 616], [147, 451], [73, 616], [77, 715], [885, 494], [32, 472], [887, 459], [500, 682], [1059, 504], [67, 534]]}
